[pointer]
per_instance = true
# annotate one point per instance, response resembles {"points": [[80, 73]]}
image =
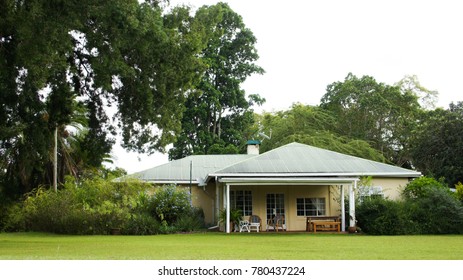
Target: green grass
{"points": [[215, 246]]}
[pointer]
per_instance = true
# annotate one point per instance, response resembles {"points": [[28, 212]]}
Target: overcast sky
{"points": [[306, 45]]}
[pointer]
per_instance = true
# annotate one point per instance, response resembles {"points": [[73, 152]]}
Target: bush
{"points": [[92, 206], [193, 220], [419, 187], [96, 206], [142, 224], [429, 210], [14, 219], [57, 212], [170, 203], [379, 216], [436, 212]]}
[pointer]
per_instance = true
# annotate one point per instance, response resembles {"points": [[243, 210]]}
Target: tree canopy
{"points": [[59, 55], [437, 144], [219, 112], [380, 114]]}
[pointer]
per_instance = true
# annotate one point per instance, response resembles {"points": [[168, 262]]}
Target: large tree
{"points": [[118, 53], [219, 112], [437, 144], [380, 114]]}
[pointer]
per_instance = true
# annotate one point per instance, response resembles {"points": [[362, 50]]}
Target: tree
{"points": [[219, 112], [112, 53], [314, 126], [380, 114], [437, 144], [427, 98]]}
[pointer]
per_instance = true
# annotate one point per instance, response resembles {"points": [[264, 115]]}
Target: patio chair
{"points": [[254, 222], [276, 223], [244, 226]]}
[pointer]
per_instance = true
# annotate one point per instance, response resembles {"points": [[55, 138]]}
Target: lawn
{"points": [[216, 246]]}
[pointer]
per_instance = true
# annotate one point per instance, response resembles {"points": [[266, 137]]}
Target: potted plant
{"points": [[235, 216]]}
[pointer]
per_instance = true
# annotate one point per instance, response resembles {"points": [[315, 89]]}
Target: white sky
{"points": [[306, 45]]}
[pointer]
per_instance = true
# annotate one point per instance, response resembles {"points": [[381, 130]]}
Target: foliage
{"points": [[313, 126], [419, 187], [377, 113], [169, 203], [437, 144], [218, 113], [142, 224], [89, 55], [428, 208], [236, 215], [13, 218], [57, 212], [459, 191], [193, 220], [95, 206], [436, 212], [379, 216], [427, 98]]}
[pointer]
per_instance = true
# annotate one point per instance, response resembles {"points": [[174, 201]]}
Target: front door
{"points": [[275, 205]]}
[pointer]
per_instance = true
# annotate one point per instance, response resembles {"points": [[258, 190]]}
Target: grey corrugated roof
{"points": [[296, 158], [179, 170]]}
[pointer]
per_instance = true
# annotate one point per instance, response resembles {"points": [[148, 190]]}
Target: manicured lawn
{"points": [[215, 246]]}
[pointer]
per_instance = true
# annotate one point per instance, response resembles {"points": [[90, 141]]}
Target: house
{"points": [[294, 180]]}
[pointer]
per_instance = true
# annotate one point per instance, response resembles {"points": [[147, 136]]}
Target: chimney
{"points": [[253, 147]]}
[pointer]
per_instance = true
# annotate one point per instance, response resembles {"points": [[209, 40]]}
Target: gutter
{"points": [[308, 175]]}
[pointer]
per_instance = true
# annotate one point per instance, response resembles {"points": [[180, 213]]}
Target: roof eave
{"points": [[289, 180], [321, 174]]}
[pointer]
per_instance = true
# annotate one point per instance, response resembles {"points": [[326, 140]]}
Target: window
{"points": [[366, 192], [311, 206], [241, 200]]}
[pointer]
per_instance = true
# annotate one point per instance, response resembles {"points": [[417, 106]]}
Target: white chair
{"points": [[244, 226], [254, 222]]}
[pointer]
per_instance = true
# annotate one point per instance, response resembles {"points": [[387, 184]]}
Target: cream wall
{"points": [[392, 187], [206, 198]]}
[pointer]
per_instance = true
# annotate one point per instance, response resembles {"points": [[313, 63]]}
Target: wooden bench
{"points": [[311, 219], [326, 226]]}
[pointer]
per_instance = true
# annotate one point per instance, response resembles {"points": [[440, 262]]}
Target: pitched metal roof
{"points": [[292, 160], [178, 171], [297, 159]]}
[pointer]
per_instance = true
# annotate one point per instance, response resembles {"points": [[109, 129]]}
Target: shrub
{"points": [[142, 224], [431, 210], [419, 187], [170, 203], [96, 206], [379, 216], [436, 212], [57, 212], [193, 220], [91, 206], [14, 219]]}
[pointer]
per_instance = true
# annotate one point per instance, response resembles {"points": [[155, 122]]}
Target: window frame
{"points": [[241, 200], [311, 206]]}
